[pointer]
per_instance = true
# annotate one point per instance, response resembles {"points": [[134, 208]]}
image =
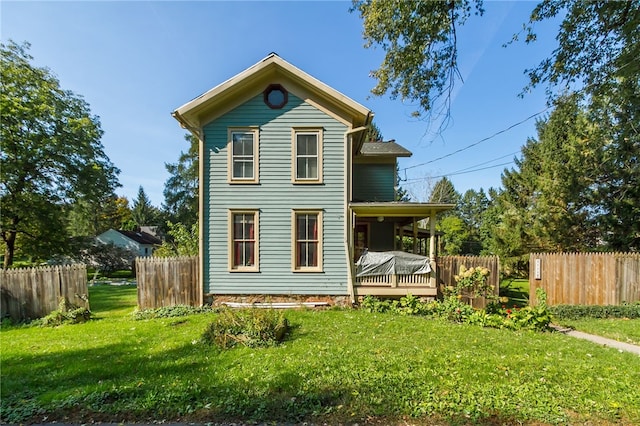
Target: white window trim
{"points": [[256, 233], [256, 154], [294, 267], [294, 164]]}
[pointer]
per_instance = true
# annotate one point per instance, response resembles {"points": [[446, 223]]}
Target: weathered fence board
{"points": [[30, 293], [449, 266], [167, 281], [585, 278]]}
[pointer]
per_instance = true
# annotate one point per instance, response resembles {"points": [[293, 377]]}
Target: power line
{"points": [[478, 142], [460, 172]]}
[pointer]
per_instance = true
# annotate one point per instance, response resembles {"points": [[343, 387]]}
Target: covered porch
{"points": [[394, 226]]}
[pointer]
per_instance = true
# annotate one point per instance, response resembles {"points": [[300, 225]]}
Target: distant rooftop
{"points": [[141, 237]]}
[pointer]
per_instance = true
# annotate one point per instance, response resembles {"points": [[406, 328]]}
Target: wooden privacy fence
{"points": [[35, 292], [585, 278], [449, 266], [167, 281]]}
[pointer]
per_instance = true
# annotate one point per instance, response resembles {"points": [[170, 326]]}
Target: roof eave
{"points": [[191, 114]]}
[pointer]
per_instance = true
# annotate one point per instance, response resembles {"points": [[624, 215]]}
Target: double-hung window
{"points": [[243, 239], [243, 155], [307, 240], [307, 155]]}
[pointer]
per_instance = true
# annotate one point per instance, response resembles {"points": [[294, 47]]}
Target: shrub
{"points": [[630, 311], [451, 308], [250, 327], [472, 282], [66, 313]]}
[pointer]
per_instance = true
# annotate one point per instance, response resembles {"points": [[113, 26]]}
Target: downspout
{"points": [[348, 214]]}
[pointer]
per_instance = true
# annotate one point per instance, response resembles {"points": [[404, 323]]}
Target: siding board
{"points": [[275, 197]]}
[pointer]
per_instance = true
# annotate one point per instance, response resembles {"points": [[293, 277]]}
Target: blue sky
{"points": [[135, 62]]}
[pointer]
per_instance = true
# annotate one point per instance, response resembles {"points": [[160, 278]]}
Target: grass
{"points": [[517, 290], [337, 366], [623, 330]]}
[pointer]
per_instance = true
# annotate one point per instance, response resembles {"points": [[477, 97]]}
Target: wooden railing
{"points": [[394, 280]]}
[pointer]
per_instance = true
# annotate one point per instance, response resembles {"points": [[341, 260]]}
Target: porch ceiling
{"points": [[399, 209]]}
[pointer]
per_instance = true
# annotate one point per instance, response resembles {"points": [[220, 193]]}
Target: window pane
{"points": [[307, 145], [242, 144], [312, 229], [307, 168], [312, 168], [301, 228], [312, 254]]}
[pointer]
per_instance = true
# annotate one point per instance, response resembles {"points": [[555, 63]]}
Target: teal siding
{"points": [[373, 182], [275, 196]]}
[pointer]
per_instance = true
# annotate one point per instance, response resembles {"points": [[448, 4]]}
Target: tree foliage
{"points": [[143, 212], [598, 44], [51, 155], [184, 241], [181, 188], [419, 40]]}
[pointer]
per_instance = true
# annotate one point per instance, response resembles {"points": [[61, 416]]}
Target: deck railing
{"points": [[402, 280]]}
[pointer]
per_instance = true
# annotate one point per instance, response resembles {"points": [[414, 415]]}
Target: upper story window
{"points": [[243, 155], [275, 96], [307, 155]]}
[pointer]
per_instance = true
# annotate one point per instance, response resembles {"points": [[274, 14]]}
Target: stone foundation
{"points": [[218, 299]]}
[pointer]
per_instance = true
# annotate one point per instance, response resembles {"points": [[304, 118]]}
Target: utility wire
{"points": [[478, 142], [460, 172]]}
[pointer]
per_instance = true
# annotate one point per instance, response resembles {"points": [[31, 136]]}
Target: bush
{"points": [[66, 314], [630, 311], [249, 327], [451, 308]]}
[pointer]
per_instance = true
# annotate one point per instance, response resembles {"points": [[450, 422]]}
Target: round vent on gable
{"points": [[275, 96]]}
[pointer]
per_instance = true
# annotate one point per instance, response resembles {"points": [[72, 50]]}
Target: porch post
{"points": [[415, 236], [432, 248]]}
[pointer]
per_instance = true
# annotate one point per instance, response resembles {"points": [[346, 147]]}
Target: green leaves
{"points": [[51, 155], [419, 40]]}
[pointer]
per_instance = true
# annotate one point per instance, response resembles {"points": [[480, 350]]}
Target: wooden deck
{"points": [[395, 285]]}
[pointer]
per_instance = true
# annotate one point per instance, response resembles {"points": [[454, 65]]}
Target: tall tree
{"points": [[444, 192], [93, 218], [471, 209], [143, 212], [181, 188], [548, 201], [51, 155]]}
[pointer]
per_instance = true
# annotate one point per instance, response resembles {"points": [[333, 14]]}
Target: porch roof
{"points": [[398, 209]]}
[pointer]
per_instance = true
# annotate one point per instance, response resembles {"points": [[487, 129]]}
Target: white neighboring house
{"points": [[138, 242]]}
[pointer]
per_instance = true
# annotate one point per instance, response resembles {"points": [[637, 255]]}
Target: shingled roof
{"points": [[386, 149], [141, 237]]}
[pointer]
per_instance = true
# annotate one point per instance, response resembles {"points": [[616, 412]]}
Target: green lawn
{"points": [[337, 366], [623, 330], [517, 290]]}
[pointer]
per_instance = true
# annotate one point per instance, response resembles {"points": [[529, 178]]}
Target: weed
{"points": [[250, 327]]}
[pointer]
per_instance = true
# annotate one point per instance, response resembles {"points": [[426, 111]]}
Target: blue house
{"points": [[291, 193]]}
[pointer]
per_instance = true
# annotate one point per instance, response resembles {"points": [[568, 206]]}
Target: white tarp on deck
{"points": [[373, 263]]}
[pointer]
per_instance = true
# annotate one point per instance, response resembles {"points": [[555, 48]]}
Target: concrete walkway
{"points": [[628, 347]]}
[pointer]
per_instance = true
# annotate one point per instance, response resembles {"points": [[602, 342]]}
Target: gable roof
{"points": [[254, 80], [141, 237], [384, 149]]}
